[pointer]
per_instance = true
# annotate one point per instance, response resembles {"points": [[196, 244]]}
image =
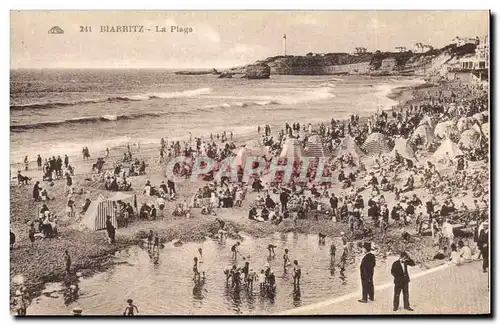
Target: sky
{"points": [[223, 39]]}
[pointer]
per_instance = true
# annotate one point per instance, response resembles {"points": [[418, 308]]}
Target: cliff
{"points": [[377, 63]]}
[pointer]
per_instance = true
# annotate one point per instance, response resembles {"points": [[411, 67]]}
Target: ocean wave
{"points": [[82, 120], [239, 105], [140, 97]]}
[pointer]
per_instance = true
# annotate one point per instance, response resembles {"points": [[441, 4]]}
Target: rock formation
{"points": [[257, 71]]}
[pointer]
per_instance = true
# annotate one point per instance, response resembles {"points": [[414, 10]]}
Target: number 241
{"points": [[85, 29]]}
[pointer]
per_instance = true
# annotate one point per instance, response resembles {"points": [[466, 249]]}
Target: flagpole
{"points": [[284, 37]]}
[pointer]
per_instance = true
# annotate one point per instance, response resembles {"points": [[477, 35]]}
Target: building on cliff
{"points": [[401, 49], [461, 41], [360, 50], [422, 48]]}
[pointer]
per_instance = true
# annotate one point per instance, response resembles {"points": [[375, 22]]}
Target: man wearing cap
{"points": [[367, 269], [399, 271]]}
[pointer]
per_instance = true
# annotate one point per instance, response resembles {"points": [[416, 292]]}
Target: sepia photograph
{"points": [[249, 163]]}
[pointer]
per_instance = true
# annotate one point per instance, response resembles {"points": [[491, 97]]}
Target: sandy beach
{"points": [[92, 253]]}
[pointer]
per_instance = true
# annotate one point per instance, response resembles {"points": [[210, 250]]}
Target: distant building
{"points": [[461, 41], [360, 50], [400, 49], [480, 60], [422, 48]]}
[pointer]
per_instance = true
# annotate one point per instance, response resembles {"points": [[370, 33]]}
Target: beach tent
{"points": [[241, 158], [464, 123], [470, 138], [99, 209], [481, 117], [348, 146], [403, 147], [292, 149], [445, 129], [376, 143], [315, 147], [486, 129], [424, 131], [447, 146]]}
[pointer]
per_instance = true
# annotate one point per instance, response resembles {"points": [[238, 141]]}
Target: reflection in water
{"points": [[296, 297], [148, 276]]}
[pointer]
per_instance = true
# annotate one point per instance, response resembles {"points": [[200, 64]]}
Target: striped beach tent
{"points": [[99, 209], [315, 147], [375, 144]]}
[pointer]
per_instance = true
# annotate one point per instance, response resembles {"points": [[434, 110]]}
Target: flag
{"points": [[284, 36]]}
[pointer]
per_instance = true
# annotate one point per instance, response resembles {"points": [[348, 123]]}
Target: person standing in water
{"points": [[150, 239], [200, 251], [196, 277], [26, 163], [333, 249], [296, 274], [129, 309], [67, 261], [271, 248], [107, 152], [286, 260], [234, 250]]}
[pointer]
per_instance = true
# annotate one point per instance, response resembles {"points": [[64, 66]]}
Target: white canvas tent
{"points": [[464, 123], [470, 138], [99, 209], [257, 149], [445, 129], [292, 149], [376, 143], [447, 149], [348, 146], [481, 117], [424, 131], [403, 147], [241, 158]]}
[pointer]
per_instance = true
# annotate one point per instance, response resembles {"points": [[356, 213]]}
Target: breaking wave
{"points": [[140, 97], [85, 120]]}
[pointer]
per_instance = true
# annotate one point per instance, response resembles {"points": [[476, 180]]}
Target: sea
{"points": [[59, 111]]}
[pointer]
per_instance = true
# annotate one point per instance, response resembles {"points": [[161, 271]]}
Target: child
{"points": [[262, 279], [332, 252], [251, 278], [157, 242], [196, 272], [129, 309], [271, 248], [286, 260], [150, 239], [296, 274]]}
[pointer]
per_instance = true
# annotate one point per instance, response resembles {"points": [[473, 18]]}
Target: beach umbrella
{"points": [[486, 129], [424, 131], [403, 147], [447, 149], [445, 129], [470, 138], [481, 117], [315, 147], [376, 143]]}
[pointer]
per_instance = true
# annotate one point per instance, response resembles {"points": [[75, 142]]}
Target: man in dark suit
{"points": [[367, 269], [399, 271], [482, 244]]}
